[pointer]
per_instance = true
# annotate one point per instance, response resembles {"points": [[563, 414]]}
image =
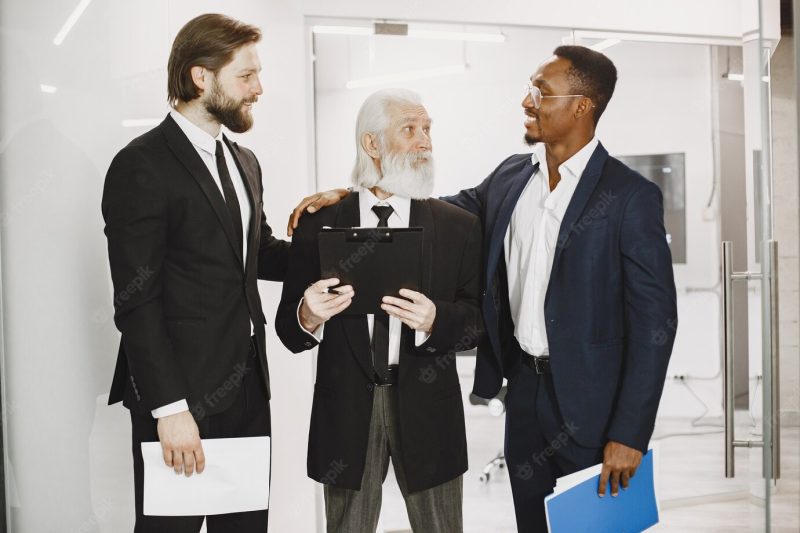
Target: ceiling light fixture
{"points": [[403, 30], [71, 20], [406, 76]]}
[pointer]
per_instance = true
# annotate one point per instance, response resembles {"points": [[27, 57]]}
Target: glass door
{"points": [[691, 114], [757, 445]]}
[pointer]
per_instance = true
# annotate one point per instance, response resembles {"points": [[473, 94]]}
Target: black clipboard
{"points": [[377, 262]]}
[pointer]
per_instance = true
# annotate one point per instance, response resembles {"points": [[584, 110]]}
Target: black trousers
{"points": [[539, 447], [249, 416]]}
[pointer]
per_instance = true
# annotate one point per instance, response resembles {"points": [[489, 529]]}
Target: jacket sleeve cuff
{"points": [[421, 337], [170, 409], [629, 437], [317, 333]]}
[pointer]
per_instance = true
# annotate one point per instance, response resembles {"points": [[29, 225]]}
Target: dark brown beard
{"points": [[228, 111]]}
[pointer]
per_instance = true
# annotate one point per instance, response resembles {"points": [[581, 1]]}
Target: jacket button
{"points": [[431, 349]]}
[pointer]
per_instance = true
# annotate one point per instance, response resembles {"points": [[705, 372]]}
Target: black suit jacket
{"points": [[431, 412], [610, 308], [183, 295]]}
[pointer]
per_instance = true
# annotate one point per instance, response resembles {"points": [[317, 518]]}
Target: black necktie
{"points": [[380, 328], [230, 194]]}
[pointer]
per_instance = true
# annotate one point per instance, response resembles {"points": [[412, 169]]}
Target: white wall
{"points": [[68, 454]]}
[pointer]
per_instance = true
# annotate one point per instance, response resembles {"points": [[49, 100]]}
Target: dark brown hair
{"points": [[207, 41]]}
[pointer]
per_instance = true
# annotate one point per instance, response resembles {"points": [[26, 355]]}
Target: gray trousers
{"points": [[434, 510]]}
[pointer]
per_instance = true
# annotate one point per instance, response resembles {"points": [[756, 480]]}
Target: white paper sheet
{"points": [[576, 478], [235, 479]]}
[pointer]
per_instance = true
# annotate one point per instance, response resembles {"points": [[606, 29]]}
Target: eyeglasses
{"points": [[536, 95]]}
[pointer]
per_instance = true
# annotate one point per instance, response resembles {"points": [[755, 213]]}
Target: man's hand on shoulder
{"points": [[619, 465], [314, 203], [180, 443]]}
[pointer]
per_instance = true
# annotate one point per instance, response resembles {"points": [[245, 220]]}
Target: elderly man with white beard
{"points": [[387, 386]]}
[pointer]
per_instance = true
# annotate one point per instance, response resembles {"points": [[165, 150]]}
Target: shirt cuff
{"points": [[317, 333], [421, 337], [171, 409]]}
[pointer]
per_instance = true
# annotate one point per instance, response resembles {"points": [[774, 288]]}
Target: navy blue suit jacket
{"points": [[610, 308]]}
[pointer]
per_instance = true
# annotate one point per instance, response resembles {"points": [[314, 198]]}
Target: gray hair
{"points": [[373, 118]]}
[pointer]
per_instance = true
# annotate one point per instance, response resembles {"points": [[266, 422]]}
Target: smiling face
{"points": [[556, 117], [234, 89]]}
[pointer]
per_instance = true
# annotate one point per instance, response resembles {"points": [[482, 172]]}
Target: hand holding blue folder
{"points": [[579, 509]]}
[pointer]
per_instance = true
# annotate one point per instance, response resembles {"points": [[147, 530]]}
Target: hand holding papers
{"points": [[575, 507], [235, 479]]}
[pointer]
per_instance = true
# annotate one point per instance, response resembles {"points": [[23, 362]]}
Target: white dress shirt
{"points": [[206, 147], [530, 243], [369, 219]]}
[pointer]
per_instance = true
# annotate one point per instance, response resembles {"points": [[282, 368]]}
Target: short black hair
{"points": [[592, 74]]}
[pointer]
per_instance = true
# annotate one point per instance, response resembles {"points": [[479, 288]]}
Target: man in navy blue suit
{"points": [[579, 297]]}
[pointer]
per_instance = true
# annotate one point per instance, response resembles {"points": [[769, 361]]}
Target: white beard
{"points": [[408, 175]]}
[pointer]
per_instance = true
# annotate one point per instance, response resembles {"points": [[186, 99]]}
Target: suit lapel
{"points": [[348, 215], [249, 176], [586, 186], [505, 211], [421, 217], [187, 155], [355, 327]]}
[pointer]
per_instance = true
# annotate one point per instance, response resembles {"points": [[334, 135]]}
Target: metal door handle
{"points": [[774, 360], [771, 358], [727, 356]]}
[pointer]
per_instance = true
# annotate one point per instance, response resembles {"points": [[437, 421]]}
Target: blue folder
{"points": [[580, 509]]}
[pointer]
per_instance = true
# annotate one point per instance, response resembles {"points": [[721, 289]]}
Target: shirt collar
{"points": [[400, 204], [574, 166], [197, 136], [577, 163]]}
